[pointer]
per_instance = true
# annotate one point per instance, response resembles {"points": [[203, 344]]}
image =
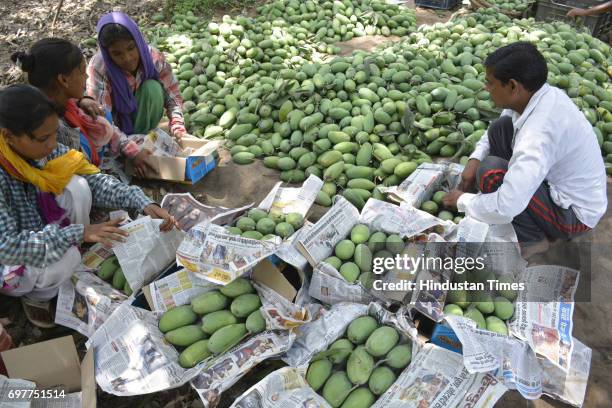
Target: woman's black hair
{"points": [[23, 109], [113, 32], [47, 59], [520, 61]]}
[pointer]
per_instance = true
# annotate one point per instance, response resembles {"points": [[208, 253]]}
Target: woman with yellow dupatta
{"points": [[46, 193]]}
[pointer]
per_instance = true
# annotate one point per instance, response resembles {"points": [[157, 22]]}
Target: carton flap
{"points": [[206, 149], [269, 275], [88, 381], [146, 291], [50, 364]]}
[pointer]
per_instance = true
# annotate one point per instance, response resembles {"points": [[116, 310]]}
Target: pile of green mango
{"points": [[436, 208], [261, 225], [354, 256], [490, 310], [214, 322], [110, 271], [359, 367]]}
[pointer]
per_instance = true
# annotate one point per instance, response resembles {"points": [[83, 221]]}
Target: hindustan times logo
{"points": [[409, 263]]}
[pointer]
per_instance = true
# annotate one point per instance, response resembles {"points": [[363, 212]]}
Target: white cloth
{"points": [[553, 141], [43, 283]]}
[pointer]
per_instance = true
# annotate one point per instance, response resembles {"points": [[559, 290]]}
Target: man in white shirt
{"points": [[539, 165]]}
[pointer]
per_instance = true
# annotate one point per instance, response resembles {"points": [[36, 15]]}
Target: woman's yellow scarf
{"points": [[53, 177]]}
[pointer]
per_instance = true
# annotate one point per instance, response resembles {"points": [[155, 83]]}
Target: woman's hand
{"points": [[91, 107], [155, 211], [140, 163], [105, 233]]}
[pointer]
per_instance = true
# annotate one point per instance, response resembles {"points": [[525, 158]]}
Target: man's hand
{"points": [[105, 233], [91, 107], [155, 211], [577, 12], [468, 177], [140, 163], [450, 199]]}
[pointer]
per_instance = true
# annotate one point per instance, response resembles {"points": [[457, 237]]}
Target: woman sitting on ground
{"points": [[132, 79], [57, 67], [46, 193]]}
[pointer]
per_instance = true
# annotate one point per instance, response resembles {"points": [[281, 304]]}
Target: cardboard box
{"points": [[54, 364], [188, 170], [445, 337]]}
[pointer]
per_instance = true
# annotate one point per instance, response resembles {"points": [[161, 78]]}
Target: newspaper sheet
{"points": [[221, 373], [329, 287], [188, 211], [13, 392], [334, 226], [424, 181], [132, 357], [470, 235], [85, 301], [73, 400], [571, 387], [219, 256], [485, 351], [319, 334], [147, 251], [293, 199], [406, 220], [177, 289], [289, 251], [544, 310], [435, 378], [161, 143], [501, 251], [327, 284]]}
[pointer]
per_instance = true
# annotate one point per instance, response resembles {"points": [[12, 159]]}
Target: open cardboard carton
{"points": [[283, 278], [54, 364], [186, 168]]}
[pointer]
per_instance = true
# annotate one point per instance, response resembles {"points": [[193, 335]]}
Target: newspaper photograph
{"points": [[293, 199], [85, 302], [406, 220], [568, 387], [486, 351], [177, 289], [147, 251], [436, 377], [544, 311], [189, 212], [220, 256], [336, 224]]}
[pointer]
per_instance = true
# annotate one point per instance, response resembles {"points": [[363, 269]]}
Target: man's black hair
{"points": [[520, 61]]}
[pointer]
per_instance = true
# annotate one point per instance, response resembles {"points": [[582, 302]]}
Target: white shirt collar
{"points": [[519, 120]]}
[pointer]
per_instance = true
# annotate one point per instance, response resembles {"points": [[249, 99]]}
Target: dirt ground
{"points": [[230, 185]]}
